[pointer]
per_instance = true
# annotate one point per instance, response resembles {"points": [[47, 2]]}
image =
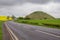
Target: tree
{"points": [[8, 17], [13, 17], [27, 18], [20, 18]]}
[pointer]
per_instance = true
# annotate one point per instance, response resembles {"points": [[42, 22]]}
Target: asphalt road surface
{"points": [[19, 31]]}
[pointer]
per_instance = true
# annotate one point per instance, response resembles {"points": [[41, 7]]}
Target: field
{"points": [[0, 30], [4, 18], [46, 23]]}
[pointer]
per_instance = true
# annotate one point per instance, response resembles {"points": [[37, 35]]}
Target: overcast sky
{"points": [[25, 7]]}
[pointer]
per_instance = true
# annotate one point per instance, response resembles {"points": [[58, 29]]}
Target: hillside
{"points": [[58, 18], [39, 15]]}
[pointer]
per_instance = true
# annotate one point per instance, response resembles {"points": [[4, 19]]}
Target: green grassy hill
{"points": [[39, 15]]}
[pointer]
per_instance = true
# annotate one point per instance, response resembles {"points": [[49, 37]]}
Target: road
{"points": [[19, 31]]}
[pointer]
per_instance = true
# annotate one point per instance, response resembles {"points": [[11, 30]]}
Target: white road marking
{"points": [[48, 33], [11, 35], [16, 38]]}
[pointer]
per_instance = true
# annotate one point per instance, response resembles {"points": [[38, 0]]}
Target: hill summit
{"points": [[39, 15]]}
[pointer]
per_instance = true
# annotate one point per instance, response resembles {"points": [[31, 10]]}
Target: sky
{"points": [[25, 7]]}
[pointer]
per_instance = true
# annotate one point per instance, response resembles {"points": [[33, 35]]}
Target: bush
{"points": [[20, 18], [51, 25], [27, 18]]}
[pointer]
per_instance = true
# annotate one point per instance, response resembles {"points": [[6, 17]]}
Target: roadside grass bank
{"points": [[46, 23], [1, 33]]}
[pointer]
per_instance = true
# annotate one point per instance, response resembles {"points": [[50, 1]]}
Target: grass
{"points": [[1, 30], [47, 23]]}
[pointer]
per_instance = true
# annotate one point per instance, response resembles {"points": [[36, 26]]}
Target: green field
{"points": [[47, 23], [1, 30]]}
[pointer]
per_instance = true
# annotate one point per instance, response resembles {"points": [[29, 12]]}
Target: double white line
{"points": [[13, 36]]}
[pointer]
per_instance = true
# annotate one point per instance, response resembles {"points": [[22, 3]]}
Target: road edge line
{"points": [[11, 32]]}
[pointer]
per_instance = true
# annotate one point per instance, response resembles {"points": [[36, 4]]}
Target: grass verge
{"points": [[47, 23], [1, 33]]}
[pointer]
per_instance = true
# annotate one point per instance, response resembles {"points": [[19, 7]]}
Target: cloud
{"points": [[51, 8], [25, 7], [39, 1], [58, 1], [15, 2], [6, 2]]}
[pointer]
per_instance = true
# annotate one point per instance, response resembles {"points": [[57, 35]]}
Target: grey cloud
{"points": [[14, 2], [39, 1], [11, 2], [43, 1], [57, 1], [8, 2]]}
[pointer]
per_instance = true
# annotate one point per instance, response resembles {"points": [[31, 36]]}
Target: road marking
{"points": [[11, 35], [48, 33], [16, 38]]}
